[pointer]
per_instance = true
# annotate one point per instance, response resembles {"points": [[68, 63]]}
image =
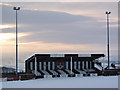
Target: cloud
{"points": [[5, 37], [56, 27], [40, 17], [75, 8], [6, 26]]}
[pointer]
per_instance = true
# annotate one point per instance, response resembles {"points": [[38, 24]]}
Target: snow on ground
{"points": [[67, 82]]}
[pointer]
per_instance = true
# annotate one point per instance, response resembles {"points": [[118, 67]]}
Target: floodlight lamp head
{"points": [[16, 8], [108, 12]]}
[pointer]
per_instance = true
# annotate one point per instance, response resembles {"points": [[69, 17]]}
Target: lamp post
{"points": [[16, 9], [108, 13]]}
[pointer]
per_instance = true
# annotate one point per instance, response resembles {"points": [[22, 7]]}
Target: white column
{"points": [[79, 65], [71, 65], [53, 65], [66, 65], [48, 65], [86, 64], [35, 66], [44, 65], [82, 64], [40, 65], [31, 65], [74, 64]]}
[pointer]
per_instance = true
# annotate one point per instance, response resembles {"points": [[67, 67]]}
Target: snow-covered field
{"points": [[67, 82]]}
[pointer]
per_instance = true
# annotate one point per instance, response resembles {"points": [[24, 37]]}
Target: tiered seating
{"points": [[98, 66], [69, 71], [37, 73], [89, 70], [45, 72], [81, 72], [61, 71], [53, 72]]}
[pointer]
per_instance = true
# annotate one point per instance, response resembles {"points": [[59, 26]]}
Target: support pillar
{"points": [[71, 65], [35, 65]]}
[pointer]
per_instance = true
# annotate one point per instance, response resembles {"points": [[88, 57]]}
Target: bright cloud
{"points": [[5, 4], [5, 37], [6, 26]]}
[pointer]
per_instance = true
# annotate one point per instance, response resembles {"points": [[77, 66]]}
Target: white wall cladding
{"points": [[48, 65], [53, 65], [31, 65], [57, 55], [82, 64], [40, 65], [35, 66], [79, 65], [75, 64], [84, 55], [44, 65], [66, 65], [86, 64]]}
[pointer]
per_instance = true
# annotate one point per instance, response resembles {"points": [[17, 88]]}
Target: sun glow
{"points": [[6, 26], [4, 37], [6, 4]]}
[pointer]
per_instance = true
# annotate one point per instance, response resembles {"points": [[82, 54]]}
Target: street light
{"points": [[16, 8], [107, 13]]}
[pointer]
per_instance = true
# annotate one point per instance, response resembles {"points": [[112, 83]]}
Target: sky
{"points": [[61, 27]]}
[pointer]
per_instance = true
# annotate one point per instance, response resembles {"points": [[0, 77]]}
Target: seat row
{"points": [[63, 73]]}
